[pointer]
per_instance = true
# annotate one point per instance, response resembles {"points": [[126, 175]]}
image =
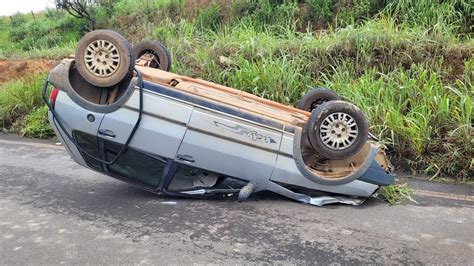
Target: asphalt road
{"points": [[53, 211]]}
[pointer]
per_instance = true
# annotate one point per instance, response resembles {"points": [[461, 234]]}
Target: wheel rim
{"points": [[338, 131], [102, 58]]}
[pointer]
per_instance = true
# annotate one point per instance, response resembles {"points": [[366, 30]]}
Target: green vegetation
{"points": [[36, 124], [396, 194], [22, 109], [48, 34], [408, 64]]}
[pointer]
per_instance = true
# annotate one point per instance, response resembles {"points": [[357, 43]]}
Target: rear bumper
{"points": [[376, 175]]}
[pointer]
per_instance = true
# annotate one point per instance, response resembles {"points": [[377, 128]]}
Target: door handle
{"points": [[185, 158], [106, 132]]}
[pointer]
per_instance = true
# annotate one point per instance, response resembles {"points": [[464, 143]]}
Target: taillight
{"points": [[53, 96]]}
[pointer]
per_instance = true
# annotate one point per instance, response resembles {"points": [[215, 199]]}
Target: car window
{"points": [[90, 145], [135, 165], [189, 178]]}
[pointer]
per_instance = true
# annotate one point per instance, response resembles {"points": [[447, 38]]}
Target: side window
{"points": [[187, 178], [135, 165], [89, 144]]}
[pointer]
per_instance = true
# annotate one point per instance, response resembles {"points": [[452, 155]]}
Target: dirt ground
{"points": [[11, 70]]}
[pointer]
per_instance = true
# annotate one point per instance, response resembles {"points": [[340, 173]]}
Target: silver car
{"points": [[118, 111]]}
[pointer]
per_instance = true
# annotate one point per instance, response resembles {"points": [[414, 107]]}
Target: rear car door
{"points": [[161, 129]]}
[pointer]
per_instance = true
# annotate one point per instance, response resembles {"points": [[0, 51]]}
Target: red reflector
{"points": [[52, 97]]}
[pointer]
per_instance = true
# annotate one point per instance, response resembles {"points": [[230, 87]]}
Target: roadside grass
{"points": [[48, 34], [56, 52], [22, 109], [36, 124], [442, 16], [396, 194]]}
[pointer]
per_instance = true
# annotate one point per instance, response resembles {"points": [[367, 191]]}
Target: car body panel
{"points": [[74, 116], [228, 157], [286, 146], [68, 144], [287, 172], [157, 105], [155, 135], [235, 129]]}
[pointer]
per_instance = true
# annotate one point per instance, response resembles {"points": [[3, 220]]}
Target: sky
{"points": [[10, 7]]}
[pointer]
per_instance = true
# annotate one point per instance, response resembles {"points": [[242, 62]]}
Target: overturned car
{"points": [[118, 111]]}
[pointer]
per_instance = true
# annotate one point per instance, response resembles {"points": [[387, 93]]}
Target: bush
{"points": [[321, 9], [272, 14], [209, 18], [352, 12], [18, 19]]}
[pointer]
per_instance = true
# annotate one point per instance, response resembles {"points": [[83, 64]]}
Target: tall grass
{"points": [[49, 34], [439, 16], [21, 107], [47, 29], [36, 124]]}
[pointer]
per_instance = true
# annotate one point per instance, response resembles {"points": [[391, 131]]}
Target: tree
{"points": [[82, 9]]}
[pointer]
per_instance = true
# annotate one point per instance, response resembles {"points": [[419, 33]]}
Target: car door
{"points": [[161, 129], [156, 139], [230, 146]]}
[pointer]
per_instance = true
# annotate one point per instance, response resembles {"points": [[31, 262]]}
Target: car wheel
{"points": [[337, 129], [316, 97], [161, 58], [104, 58]]}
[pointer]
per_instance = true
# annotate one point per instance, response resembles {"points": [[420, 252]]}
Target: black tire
{"points": [[155, 48], [315, 97], [318, 128], [112, 50]]}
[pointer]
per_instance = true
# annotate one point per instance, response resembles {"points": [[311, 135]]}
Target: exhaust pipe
{"points": [[246, 191]]}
